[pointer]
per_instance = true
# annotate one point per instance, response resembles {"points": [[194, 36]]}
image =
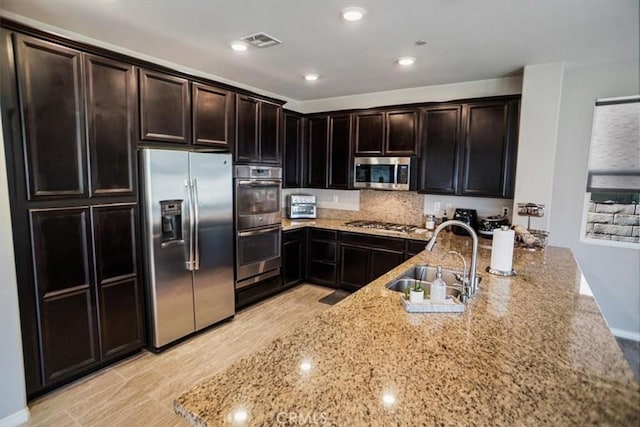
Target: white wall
{"points": [[539, 115], [13, 404], [612, 273]]}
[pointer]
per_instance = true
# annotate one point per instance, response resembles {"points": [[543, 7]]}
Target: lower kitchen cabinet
{"points": [[322, 257], [293, 257], [414, 247], [364, 258]]}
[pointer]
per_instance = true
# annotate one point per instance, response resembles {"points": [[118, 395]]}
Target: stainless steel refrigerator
{"points": [[187, 205]]}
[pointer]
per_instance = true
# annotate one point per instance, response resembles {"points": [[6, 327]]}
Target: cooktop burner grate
{"points": [[377, 225]]}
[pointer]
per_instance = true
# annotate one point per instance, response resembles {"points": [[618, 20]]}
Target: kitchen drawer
{"points": [[372, 241], [293, 235], [320, 234], [253, 293]]}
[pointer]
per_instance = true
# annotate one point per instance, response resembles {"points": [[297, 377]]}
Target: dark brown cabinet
{"points": [[470, 149], [364, 258], [386, 133], [73, 202], [293, 257], [328, 162], [257, 131], [110, 116], [52, 97], [117, 283], [165, 107], [212, 116], [323, 257], [293, 150]]}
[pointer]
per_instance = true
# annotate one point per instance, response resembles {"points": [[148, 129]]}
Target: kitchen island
{"points": [[532, 349]]}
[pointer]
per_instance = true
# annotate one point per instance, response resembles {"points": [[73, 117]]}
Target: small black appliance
{"points": [[469, 217]]}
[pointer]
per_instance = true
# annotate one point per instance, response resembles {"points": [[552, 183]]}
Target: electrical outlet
{"points": [[436, 207], [505, 211]]}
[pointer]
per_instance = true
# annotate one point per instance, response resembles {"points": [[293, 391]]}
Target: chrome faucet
{"points": [[474, 255]]}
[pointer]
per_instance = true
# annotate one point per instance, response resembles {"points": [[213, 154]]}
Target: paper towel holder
{"points": [[500, 272]]}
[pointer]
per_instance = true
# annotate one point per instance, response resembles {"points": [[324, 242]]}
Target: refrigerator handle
{"points": [[196, 225], [188, 247]]}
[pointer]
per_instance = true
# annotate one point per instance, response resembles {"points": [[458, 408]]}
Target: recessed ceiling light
{"points": [[352, 13], [239, 46], [406, 61], [311, 77]]}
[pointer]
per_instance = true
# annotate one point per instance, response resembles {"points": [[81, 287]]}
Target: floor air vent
{"points": [[261, 40]]}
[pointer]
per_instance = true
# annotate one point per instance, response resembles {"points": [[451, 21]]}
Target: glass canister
{"points": [[430, 222]]}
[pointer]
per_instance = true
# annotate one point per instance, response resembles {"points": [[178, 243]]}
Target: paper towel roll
{"points": [[502, 250]]}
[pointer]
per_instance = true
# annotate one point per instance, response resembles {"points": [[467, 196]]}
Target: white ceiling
{"points": [[467, 39]]}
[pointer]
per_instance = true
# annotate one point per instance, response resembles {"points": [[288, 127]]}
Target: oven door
{"points": [[257, 203], [257, 255]]}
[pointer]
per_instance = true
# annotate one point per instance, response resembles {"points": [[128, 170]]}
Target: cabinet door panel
{"points": [[354, 266], [340, 151], [115, 242], [270, 133], [165, 108], [211, 115], [402, 133], [69, 339], [317, 152], [66, 297], [110, 114], [485, 150], [121, 317], [247, 149], [382, 261], [439, 156], [369, 134], [293, 259], [292, 164], [322, 273], [52, 102]]}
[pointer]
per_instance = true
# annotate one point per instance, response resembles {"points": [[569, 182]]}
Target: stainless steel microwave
{"points": [[385, 173]]}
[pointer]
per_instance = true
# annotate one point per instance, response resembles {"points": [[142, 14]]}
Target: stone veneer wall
{"points": [[614, 221], [402, 207]]}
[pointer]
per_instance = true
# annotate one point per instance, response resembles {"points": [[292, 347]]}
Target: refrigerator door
{"points": [[214, 296], [166, 199]]}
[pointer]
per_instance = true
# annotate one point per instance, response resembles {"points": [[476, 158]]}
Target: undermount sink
{"points": [[401, 285], [425, 275]]}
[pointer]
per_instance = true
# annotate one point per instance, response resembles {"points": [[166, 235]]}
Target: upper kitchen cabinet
{"points": [[440, 149], [110, 123], [470, 149], [490, 149], [52, 106], [328, 147], [258, 131], [317, 151], [386, 133], [212, 116], [292, 162], [165, 108]]}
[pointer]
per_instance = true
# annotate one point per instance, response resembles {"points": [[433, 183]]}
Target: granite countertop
{"points": [[532, 349]]}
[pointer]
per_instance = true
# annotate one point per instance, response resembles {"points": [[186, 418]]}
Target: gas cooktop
{"points": [[387, 226]]}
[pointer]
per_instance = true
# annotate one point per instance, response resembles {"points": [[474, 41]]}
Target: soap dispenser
{"points": [[438, 288]]}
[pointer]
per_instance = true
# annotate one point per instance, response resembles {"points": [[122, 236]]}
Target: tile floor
{"points": [[139, 391]]}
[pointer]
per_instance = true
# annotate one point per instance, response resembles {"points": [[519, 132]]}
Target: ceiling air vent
{"points": [[260, 40]]}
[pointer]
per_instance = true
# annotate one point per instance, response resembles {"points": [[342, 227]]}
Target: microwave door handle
{"points": [[196, 224], [188, 247], [395, 174]]}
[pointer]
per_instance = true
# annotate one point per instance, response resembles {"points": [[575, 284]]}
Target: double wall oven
{"points": [[258, 223]]}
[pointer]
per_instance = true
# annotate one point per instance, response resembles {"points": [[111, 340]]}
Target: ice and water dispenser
{"points": [[171, 211]]}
